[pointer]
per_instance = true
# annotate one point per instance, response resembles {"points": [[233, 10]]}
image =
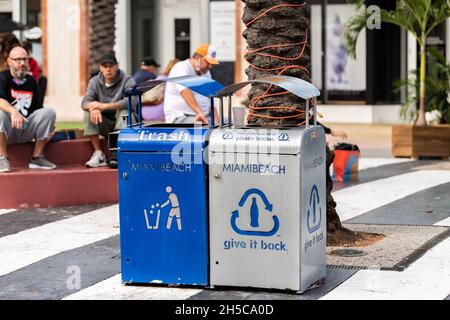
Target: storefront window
{"points": [[368, 79]]}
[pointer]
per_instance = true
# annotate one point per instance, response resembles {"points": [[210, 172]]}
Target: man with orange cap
{"points": [[181, 104]]}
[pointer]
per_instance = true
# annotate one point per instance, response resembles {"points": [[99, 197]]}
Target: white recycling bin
{"points": [[268, 203]]}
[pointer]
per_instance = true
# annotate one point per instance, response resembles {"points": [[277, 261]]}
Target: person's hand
{"points": [[96, 116], [17, 120], [339, 134], [201, 118], [95, 105], [52, 133]]}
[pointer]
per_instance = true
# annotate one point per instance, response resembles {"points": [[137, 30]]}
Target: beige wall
{"points": [[63, 59], [6, 6]]}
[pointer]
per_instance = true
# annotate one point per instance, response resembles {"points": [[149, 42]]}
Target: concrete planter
{"points": [[413, 141]]}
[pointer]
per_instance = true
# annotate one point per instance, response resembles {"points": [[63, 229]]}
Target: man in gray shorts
{"points": [[104, 105], [22, 116]]}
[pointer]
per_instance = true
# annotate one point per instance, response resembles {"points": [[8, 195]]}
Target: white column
{"points": [[19, 13], [63, 51], [16, 10], [316, 48], [447, 39], [123, 35], [412, 52], [6, 6], [411, 58], [205, 21]]}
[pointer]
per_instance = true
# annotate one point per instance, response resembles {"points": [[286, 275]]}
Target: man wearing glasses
{"points": [[105, 108], [181, 104], [22, 115]]}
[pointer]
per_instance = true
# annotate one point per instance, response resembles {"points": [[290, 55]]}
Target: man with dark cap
{"points": [[105, 108], [147, 71]]}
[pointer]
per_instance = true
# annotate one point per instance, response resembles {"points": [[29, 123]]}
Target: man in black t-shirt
{"points": [[22, 116]]}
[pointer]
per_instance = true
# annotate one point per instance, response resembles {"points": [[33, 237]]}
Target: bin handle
{"points": [[201, 85], [222, 123]]}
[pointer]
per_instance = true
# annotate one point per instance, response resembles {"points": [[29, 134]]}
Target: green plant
{"points": [[437, 86], [409, 110], [419, 17]]}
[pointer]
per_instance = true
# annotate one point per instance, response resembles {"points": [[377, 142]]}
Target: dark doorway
{"points": [[383, 59], [143, 30], [182, 38]]}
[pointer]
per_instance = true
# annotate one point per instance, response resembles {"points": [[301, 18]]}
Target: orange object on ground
{"points": [[345, 165]]}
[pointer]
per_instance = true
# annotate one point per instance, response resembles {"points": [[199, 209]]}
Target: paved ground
{"points": [[74, 253]]}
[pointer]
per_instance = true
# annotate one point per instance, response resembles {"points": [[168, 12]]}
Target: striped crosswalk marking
{"points": [[6, 211], [428, 278], [443, 223], [113, 289], [367, 163], [362, 198], [26, 247]]}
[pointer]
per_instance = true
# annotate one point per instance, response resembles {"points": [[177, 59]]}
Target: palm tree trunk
{"points": [[101, 30], [333, 220], [282, 32], [277, 38], [421, 121]]}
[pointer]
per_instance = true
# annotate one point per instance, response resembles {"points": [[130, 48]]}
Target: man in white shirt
{"points": [[181, 105]]}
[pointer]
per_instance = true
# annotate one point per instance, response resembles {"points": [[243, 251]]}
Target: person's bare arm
{"points": [[96, 108], [95, 105], [90, 101], [117, 105], [188, 96], [17, 120], [339, 134]]}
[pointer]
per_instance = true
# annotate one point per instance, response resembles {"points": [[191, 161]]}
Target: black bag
{"points": [[346, 146], [64, 135], [112, 146]]}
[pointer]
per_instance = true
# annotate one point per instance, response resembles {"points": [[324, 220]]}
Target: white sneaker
{"points": [[97, 159], [4, 164]]}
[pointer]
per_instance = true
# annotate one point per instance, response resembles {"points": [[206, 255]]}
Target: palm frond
{"points": [[402, 20], [352, 30], [358, 3], [415, 8], [438, 14], [419, 17]]}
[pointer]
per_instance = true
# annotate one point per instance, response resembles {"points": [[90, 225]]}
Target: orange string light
{"points": [[281, 70], [274, 8]]}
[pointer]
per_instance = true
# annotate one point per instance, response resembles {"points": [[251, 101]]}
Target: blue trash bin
{"points": [[163, 198]]}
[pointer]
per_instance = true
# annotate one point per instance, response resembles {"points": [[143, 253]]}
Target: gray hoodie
{"points": [[98, 91]]}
